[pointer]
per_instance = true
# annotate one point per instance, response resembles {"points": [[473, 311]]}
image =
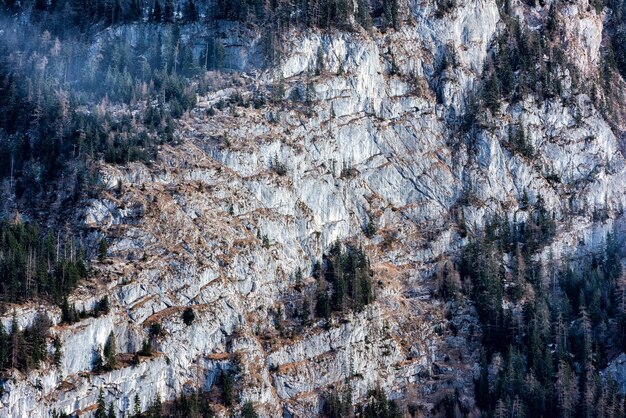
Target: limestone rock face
{"points": [[213, 226]]}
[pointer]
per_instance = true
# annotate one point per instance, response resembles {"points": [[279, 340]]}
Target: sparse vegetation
{"points": [[103, 250], [344, 282], [188, 316], [278, 167], [370, 229], [75, 95], [247, 411], [110, 350], [27, 349], [519, 142], [70, 315], [146, 348], [227, 383], [378, 406]]}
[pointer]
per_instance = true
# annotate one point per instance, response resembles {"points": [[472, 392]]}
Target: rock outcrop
{"points": [[363, 141]]}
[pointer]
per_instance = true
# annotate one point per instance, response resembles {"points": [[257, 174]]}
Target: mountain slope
{"points": [[362, 139]]}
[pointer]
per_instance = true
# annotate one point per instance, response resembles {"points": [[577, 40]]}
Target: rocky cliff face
{"points": [[373, 145]]}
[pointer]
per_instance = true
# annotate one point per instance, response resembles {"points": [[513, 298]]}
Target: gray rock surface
{"points": [[371, 146]]}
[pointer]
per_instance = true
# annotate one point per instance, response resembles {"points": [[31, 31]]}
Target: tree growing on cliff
{"points": [[97, 363], [392, 14], [378, 406], [57, 355], [247, 411], [101, 411], [103, 249], [111, 413], [136, 406], [227, 384], [110, 350], [188, 316]]}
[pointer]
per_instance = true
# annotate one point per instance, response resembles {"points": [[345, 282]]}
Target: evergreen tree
{"points": [[492, 92], [111, 413], [191, 12], [566, 390], [101, 411], [146, 348], [391, 11], [156, 410], [168, 12], [110, 351], [56, 355], [322, 306], [136, 406], [157, 14], [188, 316], [247, 411], [97, 363], [16, 345], [40, 5], [4, 348], [103, 249], [227, 384], [364, 14], [298, 279]]}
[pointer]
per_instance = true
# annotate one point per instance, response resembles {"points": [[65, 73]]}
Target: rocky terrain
{"points": [[222, 221]]}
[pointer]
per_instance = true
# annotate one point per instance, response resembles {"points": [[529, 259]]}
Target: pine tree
{"points": [[188, 316], [566, 390], [15, 343], [156, 13], [227, 384], [110, 351], [319, 63], [524, 202], [135, 13], [322, 306], [168, 12], [492, 92], [111, 413], [146, 348], [4, 347], [589, 391], [298, 279], [191, 12], [103, 306], [136, 405], [103, 249], [57, 354], [189, 66], [101, 411], [247, 411], [156, 411], [40, 5], [364, 15], [391, 10]]}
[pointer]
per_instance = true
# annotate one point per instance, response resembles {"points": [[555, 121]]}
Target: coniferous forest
{"points": [[58, 90], [550, 336], [31, 267], [66, 105], [84, 83]]}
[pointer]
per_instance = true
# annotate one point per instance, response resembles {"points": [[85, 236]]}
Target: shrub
{"points": [[188, 316]]}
